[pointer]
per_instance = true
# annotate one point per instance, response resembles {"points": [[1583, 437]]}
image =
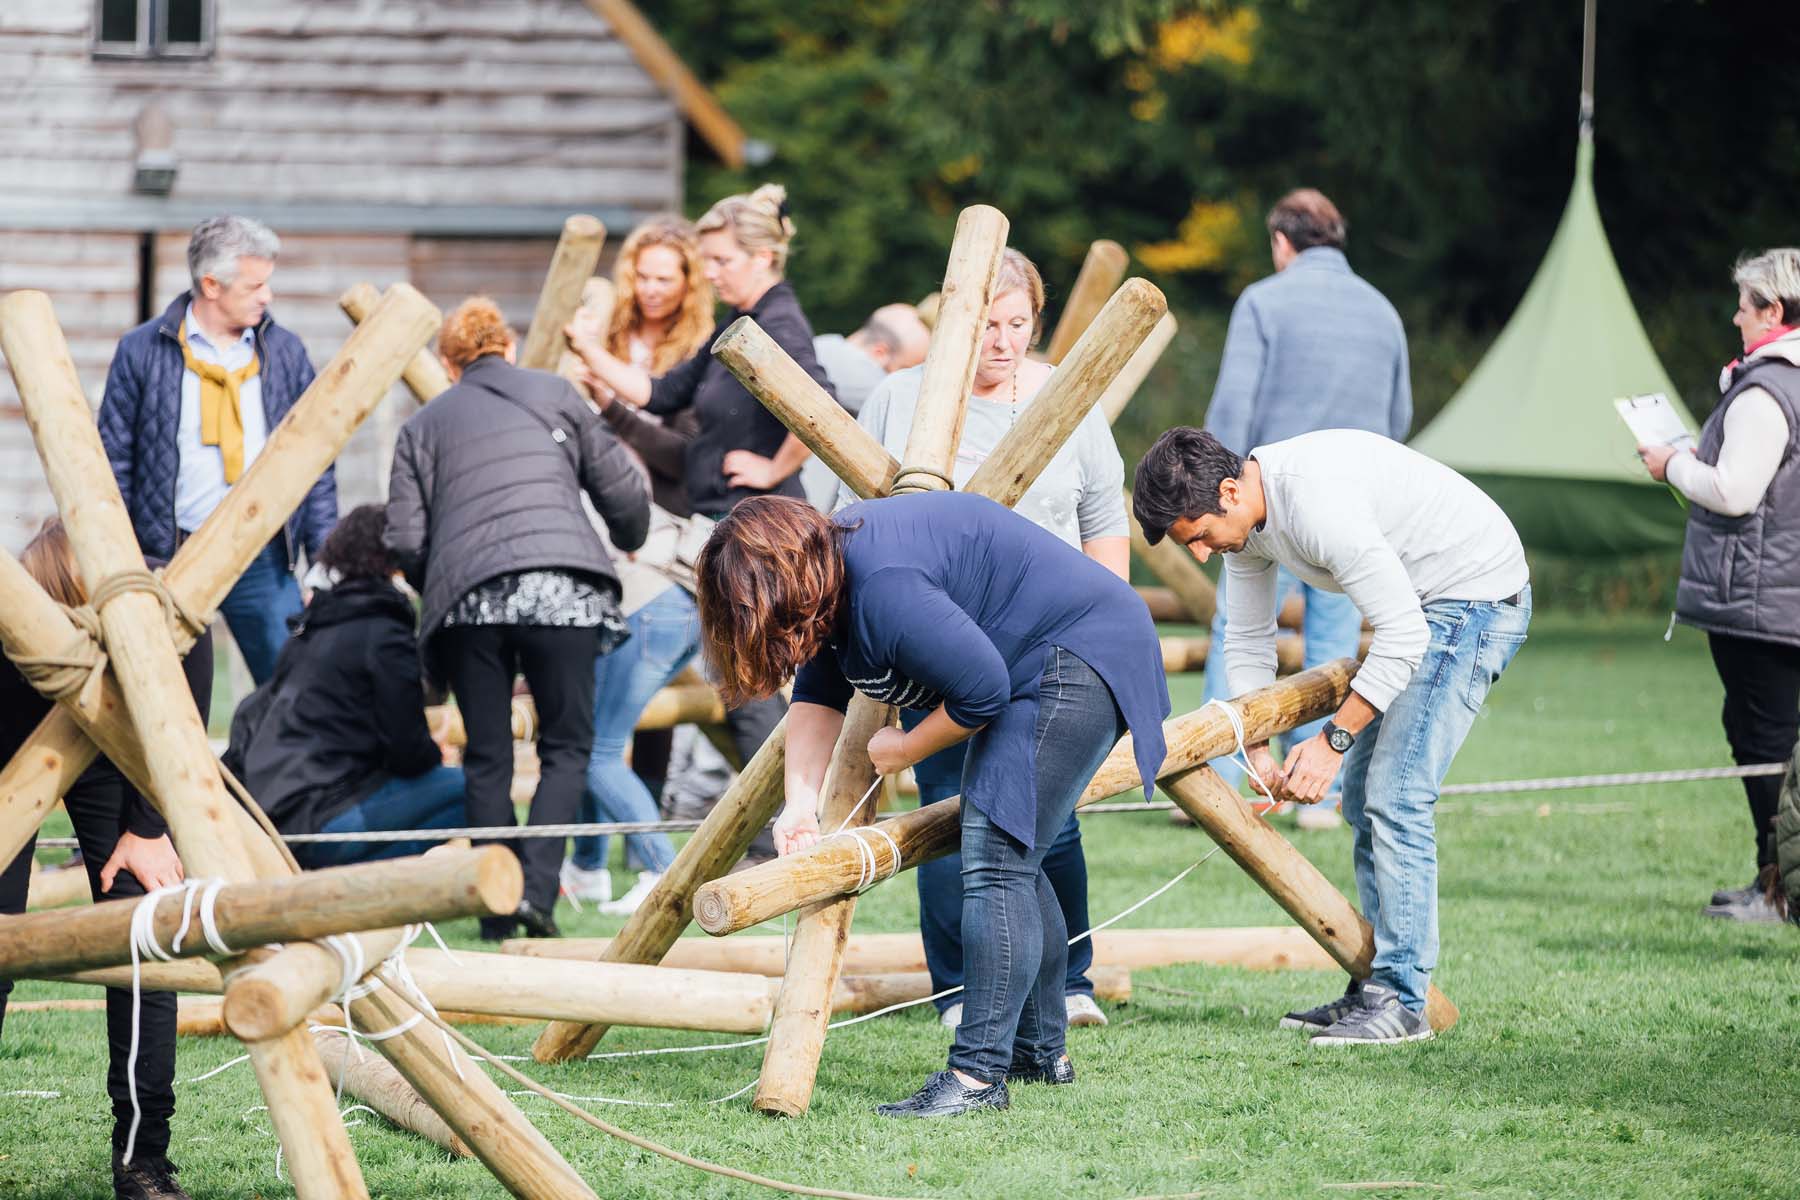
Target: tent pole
{"points": [[1587, 69]]}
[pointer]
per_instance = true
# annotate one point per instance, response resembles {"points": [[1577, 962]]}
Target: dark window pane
{"points": [[186, 26], [119, 21]]}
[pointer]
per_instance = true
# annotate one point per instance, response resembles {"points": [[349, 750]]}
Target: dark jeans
{"points": [[558, 664], [257, 607], [1015, 944], [97, 810], [433, 800], [1762, 718], [941, 888]]}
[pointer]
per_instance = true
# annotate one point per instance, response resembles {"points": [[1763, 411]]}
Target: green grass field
{"points": [[1613, 1042]]}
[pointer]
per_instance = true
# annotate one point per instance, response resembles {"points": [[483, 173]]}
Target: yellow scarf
{"points": [[221, 416]]}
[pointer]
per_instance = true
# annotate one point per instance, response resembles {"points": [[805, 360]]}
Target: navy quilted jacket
{"points": [[141, 412]]}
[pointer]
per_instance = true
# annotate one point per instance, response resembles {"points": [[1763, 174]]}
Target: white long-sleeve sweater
{"points": [[1356, 513], [1756, 436]]}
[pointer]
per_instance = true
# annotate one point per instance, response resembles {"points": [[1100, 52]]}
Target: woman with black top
{"points": [[484, 515], [126, 849]]}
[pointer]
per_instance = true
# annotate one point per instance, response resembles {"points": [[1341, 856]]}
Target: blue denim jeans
{"points": [[1392, 775], [665, 635], [1015, 944], [433, 800], [257, 607], [1331, 629]]}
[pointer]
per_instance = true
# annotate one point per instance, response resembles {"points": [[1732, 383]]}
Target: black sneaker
{"points": [[944, 1095], [1060, 1071], [1379, 1019], [146, 1179], [1326, 1014], [536, 922]]}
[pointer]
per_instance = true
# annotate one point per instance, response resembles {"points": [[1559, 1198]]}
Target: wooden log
{"points": [[857, 995], [1060, 407], [785, 389], [803, 1007], [424, 374], [1177, 570], [204, 1016], [684, 702], [374, 895], [598, 299], [832, 868], [1184, 654], [205, 567], [1291, 881], [748, 804], [373, 1080], [576, 259], [1126, 383], [1163, 604], [955, 348], [1100, 274], [304, 1111], [58, 889], [268, 998]]}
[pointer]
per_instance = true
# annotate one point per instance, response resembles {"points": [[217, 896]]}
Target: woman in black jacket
{"points": [[484, 515], [339, 742], [126, 849]]}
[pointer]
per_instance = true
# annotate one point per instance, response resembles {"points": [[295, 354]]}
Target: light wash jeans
{"points": [[1392, 775], [665, 636], [1332, 628]]}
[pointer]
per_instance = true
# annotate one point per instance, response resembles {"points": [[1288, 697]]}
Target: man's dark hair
{"points": [[354, 548], [1307, 218], [1180, 477]]}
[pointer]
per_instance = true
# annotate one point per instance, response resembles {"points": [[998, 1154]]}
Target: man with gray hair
{"points": [[190, 399], [892, 339]]}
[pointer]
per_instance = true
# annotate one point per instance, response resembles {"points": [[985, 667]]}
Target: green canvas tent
{"points": [[1535, 425]]}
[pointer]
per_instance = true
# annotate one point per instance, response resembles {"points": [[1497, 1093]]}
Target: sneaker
{"points": [[1738, 895], [1313, 817], [629, 903], [944, 1095], [1378, 1020], [147, 1179], [951, 1017], [579, 883], [1755, 910], [534, 921], [1328, 1013], [1082, 1010]]}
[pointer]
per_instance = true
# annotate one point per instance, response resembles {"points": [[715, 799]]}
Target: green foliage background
{"points": [[1446, 133]]}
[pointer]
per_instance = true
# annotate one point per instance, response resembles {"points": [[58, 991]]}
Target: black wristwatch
{"points": [[1338, 739]]}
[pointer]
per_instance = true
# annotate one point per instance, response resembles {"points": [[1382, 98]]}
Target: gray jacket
{"points": [[1741, 575], [488, 479]]}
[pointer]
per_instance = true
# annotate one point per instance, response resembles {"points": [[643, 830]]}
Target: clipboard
{"points": [[1653, 421]]}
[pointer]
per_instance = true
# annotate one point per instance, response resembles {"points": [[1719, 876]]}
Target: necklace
{"points": [[1013, 418]]}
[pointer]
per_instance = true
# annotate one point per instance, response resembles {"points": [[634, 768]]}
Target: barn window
{"points": [[153, 28]]}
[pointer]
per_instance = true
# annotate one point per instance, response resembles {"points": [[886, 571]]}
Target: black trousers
{"points": [[481, 662], [97, 808], [1762, 719]]}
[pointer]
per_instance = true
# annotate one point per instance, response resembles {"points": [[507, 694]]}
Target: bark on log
{"points": [[1177, 570], [1101, 270], [955, 347], [574, 263], [1126, 384], [304, 1111], [1060, 407], [747, 805], [374, 1081], [1291, 880], [785, 389], [342, 899], [423, 375], [832, 868]]}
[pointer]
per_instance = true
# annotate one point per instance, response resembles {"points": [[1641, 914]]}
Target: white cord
{"points": [[1243, 752]]}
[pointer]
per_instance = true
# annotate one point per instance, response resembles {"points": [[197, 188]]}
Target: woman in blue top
{"points": [[1038, 657]]}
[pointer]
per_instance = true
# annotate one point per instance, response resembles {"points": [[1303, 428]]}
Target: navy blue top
{"points": [[954, 599]]}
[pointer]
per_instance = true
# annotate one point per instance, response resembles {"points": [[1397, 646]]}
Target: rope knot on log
{"points": [[80, 668]]}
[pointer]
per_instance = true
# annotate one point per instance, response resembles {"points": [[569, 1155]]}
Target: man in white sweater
{"points": [[1439, 573]]}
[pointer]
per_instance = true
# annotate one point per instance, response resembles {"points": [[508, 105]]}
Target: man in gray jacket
{"points": [[1313, 346]]}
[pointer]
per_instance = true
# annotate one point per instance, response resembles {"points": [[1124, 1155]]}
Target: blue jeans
{"points": [[1392, 775], [433, 800], [257, 607], [665, 635], [1331, 629], [1015, 944]]}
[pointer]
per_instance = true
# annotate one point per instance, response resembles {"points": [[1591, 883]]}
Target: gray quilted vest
{"points": [[1741, 575]]}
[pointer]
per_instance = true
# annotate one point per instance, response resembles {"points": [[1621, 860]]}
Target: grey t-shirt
{"points": [[854, 375], [1079, 497]]}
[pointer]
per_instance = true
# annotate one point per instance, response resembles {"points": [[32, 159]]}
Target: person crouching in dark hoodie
{"points": [[337, 741]]}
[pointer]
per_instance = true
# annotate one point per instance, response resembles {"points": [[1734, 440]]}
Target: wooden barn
{"points": [[441, 142]]}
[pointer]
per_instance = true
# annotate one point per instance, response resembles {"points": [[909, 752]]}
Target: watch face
{"points": [[1340, 740]]}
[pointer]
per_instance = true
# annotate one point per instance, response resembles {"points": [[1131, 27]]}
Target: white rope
{"points": [[1243, 753]]}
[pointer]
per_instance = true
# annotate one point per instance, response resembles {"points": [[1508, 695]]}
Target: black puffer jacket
{"points": [[488, 479], [344, 712]]}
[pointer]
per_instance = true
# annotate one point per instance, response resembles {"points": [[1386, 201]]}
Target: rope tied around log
{"points": [[79, 670], [903, 483]]}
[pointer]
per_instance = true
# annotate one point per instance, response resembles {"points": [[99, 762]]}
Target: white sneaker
{"points": [[951, 1017], [1313, 817], [582, 884], [1082, 1010], [627, 904]]}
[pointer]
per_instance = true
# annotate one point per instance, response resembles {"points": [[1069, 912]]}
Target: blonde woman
{"points": [[664, 305]]}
